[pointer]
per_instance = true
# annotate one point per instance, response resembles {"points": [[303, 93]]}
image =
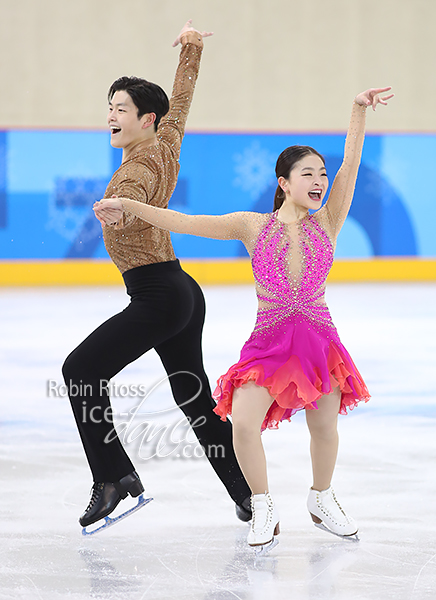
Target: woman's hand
{"points": [[188, 27], [109, 211], [371, 97]]}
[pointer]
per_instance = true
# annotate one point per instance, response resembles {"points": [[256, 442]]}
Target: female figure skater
{"points": [[294, 358]]}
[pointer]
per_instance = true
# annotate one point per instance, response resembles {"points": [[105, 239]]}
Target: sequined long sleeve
{"points": [[172, 126], [232, 226], [341, 194]]}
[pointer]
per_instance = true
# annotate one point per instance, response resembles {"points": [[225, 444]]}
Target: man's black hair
{"points": [[148, 97]]}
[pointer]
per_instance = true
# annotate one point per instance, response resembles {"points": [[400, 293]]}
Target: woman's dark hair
{"points": [[147, 97], [284, 165]]}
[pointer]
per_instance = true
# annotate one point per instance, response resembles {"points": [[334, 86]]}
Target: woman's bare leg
{"points": [[250, 405], [324, 442]]}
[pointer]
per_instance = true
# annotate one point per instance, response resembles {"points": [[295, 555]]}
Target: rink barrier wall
{"points": [[232, 271]]}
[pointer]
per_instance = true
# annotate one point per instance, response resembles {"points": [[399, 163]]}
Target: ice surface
{"points": [[187, 543]]}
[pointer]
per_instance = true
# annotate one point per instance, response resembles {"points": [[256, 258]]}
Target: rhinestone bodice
{"points": [[290, 265]]}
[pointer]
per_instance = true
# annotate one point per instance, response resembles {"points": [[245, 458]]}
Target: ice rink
{"points": [[187, 543]]}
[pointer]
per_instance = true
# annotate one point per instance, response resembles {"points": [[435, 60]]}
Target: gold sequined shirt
{"points": [[150, 173]]}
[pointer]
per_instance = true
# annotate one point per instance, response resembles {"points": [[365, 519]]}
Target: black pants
{"points": [[166, 313]]}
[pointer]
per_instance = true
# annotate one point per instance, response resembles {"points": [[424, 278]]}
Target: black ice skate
{"points": [[106, 497], [243, 510]]}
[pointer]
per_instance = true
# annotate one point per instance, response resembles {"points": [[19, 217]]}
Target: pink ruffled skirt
{"points": [[298, 362]]}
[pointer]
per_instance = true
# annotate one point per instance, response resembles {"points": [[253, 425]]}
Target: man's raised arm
{"points": [[172, 126]]}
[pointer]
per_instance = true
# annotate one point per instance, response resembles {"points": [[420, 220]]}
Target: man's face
{"points": [[125, 127]]}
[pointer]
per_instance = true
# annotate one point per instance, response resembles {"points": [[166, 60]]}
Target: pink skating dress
{"points": [[294, 350]]}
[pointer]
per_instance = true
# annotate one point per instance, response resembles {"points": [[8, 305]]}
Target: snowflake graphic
{"points": [[70, 207], [254, 169], [66, 222]]}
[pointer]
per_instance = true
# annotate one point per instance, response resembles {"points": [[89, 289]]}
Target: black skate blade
{"points": [[354, 537], [112, 521], [264, 549]]}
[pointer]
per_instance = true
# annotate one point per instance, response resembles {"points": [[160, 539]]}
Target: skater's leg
{"points": [[191, 391], [250, 405], [158, 310], [324, 442], [103, 354], [322, 503]]}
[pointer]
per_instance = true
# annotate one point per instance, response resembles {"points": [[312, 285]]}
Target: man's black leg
{"points": [[182, 354], [87, 371]]}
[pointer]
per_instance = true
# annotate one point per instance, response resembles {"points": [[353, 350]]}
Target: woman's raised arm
{"points": [[341, 194]]}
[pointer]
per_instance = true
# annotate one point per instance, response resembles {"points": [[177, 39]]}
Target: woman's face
{"points": [[307, 183]]}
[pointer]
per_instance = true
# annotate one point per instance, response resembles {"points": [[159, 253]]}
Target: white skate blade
{"points": [[111, 521], [264, 549], [354, 537]]}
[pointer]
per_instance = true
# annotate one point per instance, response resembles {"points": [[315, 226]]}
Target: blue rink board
{"points": [[50, 179]]}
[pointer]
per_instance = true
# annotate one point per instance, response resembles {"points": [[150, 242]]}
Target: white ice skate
{"points": [[327, 514], [264, 524]]}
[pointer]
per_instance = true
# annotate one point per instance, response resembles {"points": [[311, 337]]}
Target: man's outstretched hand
{"points": [[188, 27]]}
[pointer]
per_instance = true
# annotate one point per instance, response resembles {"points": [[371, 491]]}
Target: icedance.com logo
{"points": [[153, 434]]}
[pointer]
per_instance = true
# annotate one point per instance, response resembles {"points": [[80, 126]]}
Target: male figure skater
{"points": [[167, 308]]}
